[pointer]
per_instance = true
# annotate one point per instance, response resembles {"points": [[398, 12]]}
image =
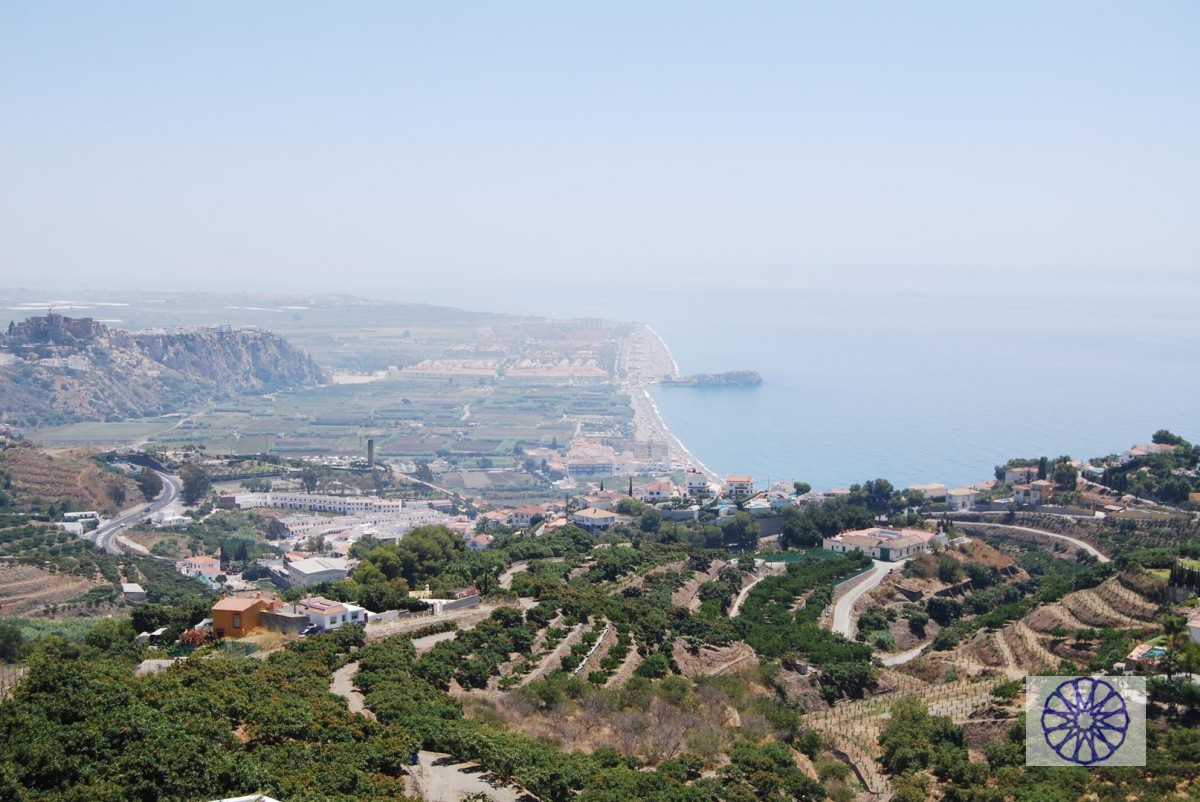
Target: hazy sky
{"points": [[384, 145]]}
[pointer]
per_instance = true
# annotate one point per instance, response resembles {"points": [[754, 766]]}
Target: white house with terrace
{"points": [[888, 545], [329, 614]]}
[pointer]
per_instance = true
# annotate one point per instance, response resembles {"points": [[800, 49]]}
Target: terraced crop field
{"points": [[25, 589]]}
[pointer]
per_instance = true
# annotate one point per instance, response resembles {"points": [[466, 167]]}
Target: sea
{"points": [[930, 381]]}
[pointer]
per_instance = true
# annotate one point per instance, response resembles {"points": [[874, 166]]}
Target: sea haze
{"points": [[912, 383]]}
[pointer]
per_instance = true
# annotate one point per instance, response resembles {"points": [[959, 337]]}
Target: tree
{"points": [[11, 641], [654, 666], [1165, 437], [1043, 467], [802, 488], [880, 496], [741, 531], [149, 483], [942, 610], [309, 478], [1065, 476], [196, 484]]}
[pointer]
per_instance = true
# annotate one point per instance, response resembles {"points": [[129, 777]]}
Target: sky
{"points": [[411, 149]]}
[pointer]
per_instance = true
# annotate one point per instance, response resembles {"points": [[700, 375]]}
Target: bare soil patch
{"points": [[25, 589]]}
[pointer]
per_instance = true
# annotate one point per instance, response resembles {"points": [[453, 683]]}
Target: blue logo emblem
{"points": [[1085, 720]]}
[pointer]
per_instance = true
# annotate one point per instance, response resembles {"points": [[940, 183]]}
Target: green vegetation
{"points": [[768, 623], [1167, 477]]}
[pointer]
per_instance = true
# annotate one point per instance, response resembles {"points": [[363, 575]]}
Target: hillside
{"points": [[33, 480], [55, 369]]}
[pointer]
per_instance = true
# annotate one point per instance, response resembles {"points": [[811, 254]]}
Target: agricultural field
{"points": [[65, 480], [29, 590]]}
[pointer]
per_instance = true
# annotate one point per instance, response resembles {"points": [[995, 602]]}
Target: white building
{"points": [[962, 498], [343, 505], [207, 568], [888, 545], [934, 491], [329, 614], [316, 569], [133, 591], [595, 520], [1144, 450], [738, 486], [697, 485], [655, 492], [523, 516], [1020, 476]]}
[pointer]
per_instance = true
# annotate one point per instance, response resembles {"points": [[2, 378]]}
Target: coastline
{"points": [[646, 359]]}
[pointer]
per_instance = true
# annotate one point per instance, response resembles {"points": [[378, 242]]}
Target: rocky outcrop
{"points": [[734, 378], [62, 370]]}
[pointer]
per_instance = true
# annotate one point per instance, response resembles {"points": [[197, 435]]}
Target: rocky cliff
{"points": [[55, 369]]}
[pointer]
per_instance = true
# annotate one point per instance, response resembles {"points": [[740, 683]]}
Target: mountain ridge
{"points": [[57, 369]]}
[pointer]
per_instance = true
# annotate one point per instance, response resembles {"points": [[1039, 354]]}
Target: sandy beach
{"points": [[646, 360]]}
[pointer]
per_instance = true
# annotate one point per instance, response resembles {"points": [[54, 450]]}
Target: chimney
{"points": [[370, 452]]}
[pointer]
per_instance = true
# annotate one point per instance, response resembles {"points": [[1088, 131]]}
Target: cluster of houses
{"points": [[237, 616]]}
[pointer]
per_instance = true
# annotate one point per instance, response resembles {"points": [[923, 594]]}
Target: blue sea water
{"points": [[933, 383]]}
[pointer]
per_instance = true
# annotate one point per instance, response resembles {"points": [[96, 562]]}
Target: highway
{"points": [[105, 536]]}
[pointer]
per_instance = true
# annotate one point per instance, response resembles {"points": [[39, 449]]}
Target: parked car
{"points": [[311, 629]]}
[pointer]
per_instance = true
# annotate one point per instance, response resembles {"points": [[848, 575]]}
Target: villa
{"points": [[888, 545], [738, 486]]}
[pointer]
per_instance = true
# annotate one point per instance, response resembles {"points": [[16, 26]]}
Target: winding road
{"points": [[106, 535], [843, 608], [1076, 542]]}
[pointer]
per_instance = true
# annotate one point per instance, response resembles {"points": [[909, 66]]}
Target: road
{"points": [[105, 536], [900, 658], [1092, 550], [843, 619]]}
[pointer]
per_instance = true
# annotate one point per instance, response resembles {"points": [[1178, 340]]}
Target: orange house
{"points": [[234, 616]]}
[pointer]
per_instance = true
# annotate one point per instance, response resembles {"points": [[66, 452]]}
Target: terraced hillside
{"points": [[1036, 643], [65, 480], [1064, 630], [26, 589]]}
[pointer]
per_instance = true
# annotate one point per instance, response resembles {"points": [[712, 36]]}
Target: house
{"points": [[604, 500], [235, 616], [656, 491], [595, 520], [738, 486], [888, 545], [697, 485], [1033, 494], [1020, 476], [480, 542], [1144, 450], [934, 491], [1145, 656], [1193, 625], [207, 568], [317, 569], [329, 614], [962, 498], [523, 516], [133, 592]]}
